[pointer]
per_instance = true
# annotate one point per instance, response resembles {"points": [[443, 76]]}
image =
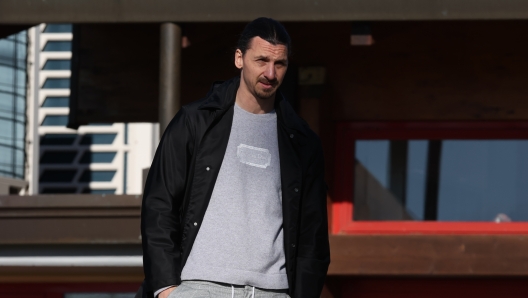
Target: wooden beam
{"points": [[68, 201], [429, 255], [109, 11], [70, 219], [71, 274], [113, 219]]}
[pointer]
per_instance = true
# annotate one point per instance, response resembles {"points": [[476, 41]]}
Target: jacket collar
{"points": [[222, 96]]}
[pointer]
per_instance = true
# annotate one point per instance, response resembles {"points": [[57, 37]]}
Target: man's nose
{"points": [[269, 73]]}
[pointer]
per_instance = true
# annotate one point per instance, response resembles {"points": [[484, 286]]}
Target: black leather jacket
{"points": [[181, 180]]}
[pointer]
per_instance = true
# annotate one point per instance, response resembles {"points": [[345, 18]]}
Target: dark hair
{"points": [[266, 28]]}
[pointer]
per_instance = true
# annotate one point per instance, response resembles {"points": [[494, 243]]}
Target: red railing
{"points": [[342, 199]]}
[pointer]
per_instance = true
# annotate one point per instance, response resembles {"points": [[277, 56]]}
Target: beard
{"points": [[266, 93]]}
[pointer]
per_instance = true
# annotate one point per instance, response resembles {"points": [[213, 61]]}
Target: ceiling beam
{"points": [[109, 11]]}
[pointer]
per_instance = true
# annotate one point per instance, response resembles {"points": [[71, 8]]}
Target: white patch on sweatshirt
{"points": [[254, 156]]}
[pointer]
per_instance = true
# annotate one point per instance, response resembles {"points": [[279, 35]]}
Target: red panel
{"points": [[342, 204], [21, 296], [57, 290], [432, 227], [344, 180], [433, 288]]}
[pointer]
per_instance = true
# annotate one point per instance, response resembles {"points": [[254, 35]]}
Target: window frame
{"points": [[342, 205]]}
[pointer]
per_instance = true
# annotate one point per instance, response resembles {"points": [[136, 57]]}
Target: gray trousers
{"points": [[206, 289]]}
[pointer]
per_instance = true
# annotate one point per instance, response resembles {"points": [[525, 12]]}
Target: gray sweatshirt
{"points": [[241, 239]]}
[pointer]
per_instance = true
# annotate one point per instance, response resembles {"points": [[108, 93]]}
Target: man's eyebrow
{"points": [[284, 61]]}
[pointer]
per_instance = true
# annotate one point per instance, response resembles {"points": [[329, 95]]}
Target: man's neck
{"points": [[251, 103]]}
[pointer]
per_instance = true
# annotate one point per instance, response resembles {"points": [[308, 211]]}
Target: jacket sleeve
{"points": [[313, 252], [162, 200]]}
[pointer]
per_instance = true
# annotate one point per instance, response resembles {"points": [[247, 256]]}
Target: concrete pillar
{"points": [[170, 73]]}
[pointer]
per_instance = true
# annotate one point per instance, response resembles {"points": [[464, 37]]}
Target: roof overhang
{"points": [[108, 11], [5, 31]]}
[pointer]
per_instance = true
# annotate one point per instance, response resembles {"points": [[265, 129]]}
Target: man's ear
{"points": [[239, 61]]}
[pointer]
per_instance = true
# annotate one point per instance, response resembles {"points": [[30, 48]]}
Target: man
{"points": [[235, 202]]}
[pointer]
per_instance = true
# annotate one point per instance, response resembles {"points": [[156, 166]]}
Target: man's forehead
{"points": [[260, 46]]}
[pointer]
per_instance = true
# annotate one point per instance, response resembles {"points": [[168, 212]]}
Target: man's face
{"points": [[263, 67]]}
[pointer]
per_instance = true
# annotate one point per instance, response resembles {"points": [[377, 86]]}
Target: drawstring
{"points": [[253, 292]]}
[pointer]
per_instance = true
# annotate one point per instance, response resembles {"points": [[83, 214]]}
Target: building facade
{"points": [[100, 158], [424, 134], [13, 65]]}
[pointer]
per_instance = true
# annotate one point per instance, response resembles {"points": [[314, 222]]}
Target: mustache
{"points": [[269, 82]]}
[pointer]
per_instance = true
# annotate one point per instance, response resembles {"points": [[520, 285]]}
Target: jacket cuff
{"points": [[156, 284]]}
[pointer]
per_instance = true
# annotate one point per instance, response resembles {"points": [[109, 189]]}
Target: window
{"points": [[452, 175], [97, 176], [57, 175], [99, 191], [56, 84], [58, 120], [57, 65], [58, 190], [98, 139], [58, 139], [441, 180], [58, 157], [56, 102], [7, 74], [13, 105], [58, 28], [98, 157], [57, 46]]}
